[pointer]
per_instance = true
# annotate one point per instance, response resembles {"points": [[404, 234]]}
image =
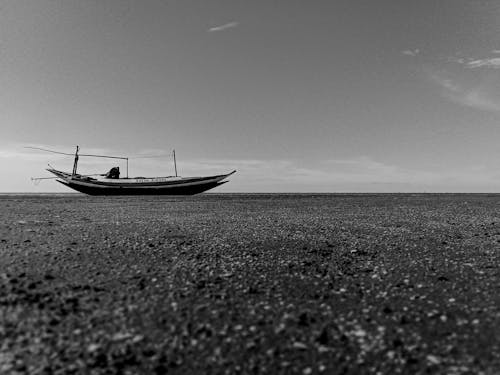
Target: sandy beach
{"points": [[278, 284]]}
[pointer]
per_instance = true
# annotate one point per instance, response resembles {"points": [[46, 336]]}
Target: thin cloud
{"points": [[472, 62], [223, 27], [477, 98], [492, 62], [409, 52], [327, 175], [458, 60], [446, 83], [360, 174]]}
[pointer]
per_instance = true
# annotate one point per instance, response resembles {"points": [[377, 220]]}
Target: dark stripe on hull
{"points": [[167, 190]]}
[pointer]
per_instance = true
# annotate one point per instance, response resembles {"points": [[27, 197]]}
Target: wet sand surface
{"points": [[277, 284]]}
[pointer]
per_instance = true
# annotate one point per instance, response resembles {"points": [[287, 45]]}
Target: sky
{"points": [[297, 96]]}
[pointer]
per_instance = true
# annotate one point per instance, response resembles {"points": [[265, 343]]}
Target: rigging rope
{"points": [[104, 156], [54, 152]]}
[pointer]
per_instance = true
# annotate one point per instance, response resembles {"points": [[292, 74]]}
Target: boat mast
{"points": [[75, 164], [175, 164]]}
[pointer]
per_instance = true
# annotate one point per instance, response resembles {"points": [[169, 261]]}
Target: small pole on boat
{"points": [[175, 164], [75, 164], [127, 167]]}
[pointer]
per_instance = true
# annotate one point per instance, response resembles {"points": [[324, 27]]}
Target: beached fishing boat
{"points": [[112, 184]]}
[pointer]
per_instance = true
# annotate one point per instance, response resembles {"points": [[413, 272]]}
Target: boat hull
{"points": [[130, 190], [140, 186]]}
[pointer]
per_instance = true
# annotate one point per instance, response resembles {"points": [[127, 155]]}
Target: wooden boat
{"points": [[111, 183]]}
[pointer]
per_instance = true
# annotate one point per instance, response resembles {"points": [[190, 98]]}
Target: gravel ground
{"points": [[280, 284]]}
